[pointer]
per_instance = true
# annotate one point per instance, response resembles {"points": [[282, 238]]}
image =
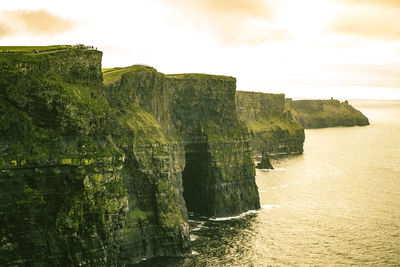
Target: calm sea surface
{"points": [[338, 204]]}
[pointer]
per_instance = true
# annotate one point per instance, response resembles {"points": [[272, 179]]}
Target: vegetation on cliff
{"points": [[60, 181], [270, 123]]}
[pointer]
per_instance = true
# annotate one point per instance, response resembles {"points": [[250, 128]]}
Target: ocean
{"points": [[338, 204]]}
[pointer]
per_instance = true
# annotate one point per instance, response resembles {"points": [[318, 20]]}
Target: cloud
{"points": [[370, 22], [386, 3], [33, 22], [379, 75], [232, 22], [4, 30]]}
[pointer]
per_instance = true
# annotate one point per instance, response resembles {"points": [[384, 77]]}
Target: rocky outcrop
{"points": [[198, 110], [265, 163], [273, 129], [327, 113], [99, 175]]}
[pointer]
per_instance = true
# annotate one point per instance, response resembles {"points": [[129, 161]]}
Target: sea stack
{"points": [[265, 163]]}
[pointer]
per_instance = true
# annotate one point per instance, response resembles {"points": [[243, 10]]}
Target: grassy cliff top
{"points": [[260, 94], [31, 48], [111, 75], [199, 76]]}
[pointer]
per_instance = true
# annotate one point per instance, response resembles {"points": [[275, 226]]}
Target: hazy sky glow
{"points": [[303, 48]]}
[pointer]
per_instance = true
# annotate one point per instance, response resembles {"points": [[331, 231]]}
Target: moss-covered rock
{"points": [[62, 195], [327, 113]]}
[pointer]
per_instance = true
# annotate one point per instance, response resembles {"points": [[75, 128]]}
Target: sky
{"points": [[346, 49]]}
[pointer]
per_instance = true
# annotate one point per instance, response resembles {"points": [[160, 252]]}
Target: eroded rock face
{"points": [[273, 129], [327, 113], [199, 112], [156, 222], [62, 193], [96, 175], [84, 181]]}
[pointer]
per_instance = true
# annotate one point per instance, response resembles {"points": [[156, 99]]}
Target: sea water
{"points": [[338, 204]]}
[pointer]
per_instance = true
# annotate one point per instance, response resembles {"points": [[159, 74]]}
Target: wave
{"points": [[234, 217], [199, 226], [263, 207], [261, 191], [270, 206], [193, 237], [280, 186], [274, 170]]}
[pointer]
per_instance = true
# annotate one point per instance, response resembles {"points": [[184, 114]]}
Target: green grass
{"points": [[111, 75], [199, 76], [271, 123], [31, 48]]}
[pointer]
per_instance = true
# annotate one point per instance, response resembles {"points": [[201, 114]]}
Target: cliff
{"points": [[198, 110], [62, 194], [327, 113], [103, 175], [272, 127]]}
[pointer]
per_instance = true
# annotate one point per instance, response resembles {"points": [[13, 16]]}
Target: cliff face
{"points": [[84, 181], [272, 127], [327, 113], [98, 175], [198, 112], [219, 174], [62, 194]]}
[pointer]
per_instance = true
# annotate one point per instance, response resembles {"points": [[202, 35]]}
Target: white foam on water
{"points": [[261, 191], [199, 226], [193, 237], [274, 187], [263, 207], [195, 252], [270, 206], [274, 170], [234, 217], [283, 186]]}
